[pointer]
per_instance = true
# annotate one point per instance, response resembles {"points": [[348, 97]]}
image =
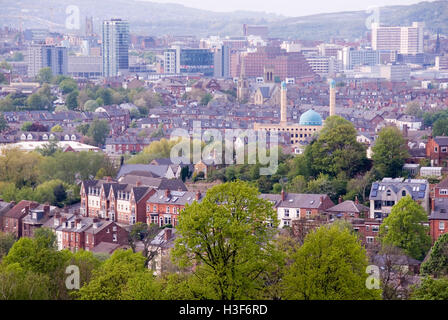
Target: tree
{"points": [[431, 289], [83, 128], [404, 228], [37, 101], [98, 131], [68, 85], [20, 168], [56, 128], [110, 280], [49, 148], [72, 100], [437, 264], [440, 127], [6, 242], [141, 232], [45, 75], [206, 98], [228, 237], [90, 105], [336, 150], [3, 123], [389, 152], [330, 265], [413, 109]]}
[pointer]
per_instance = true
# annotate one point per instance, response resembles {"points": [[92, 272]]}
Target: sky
{"points": [[291, 8]]}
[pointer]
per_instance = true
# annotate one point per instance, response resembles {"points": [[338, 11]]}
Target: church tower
{"points": [[243, 86]]}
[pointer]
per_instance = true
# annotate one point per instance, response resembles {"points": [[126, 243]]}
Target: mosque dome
{"points": [[310, 118]]}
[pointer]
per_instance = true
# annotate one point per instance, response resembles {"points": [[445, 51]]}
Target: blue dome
{"points": [[310, 118]]}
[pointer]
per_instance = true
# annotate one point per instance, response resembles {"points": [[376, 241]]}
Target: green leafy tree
{"points": [[45, 75], [437, 263], [6, 242], [389, 152], [98, 131], [110, 280], [404, 228], [431, 289], [3, 123], [49, 148], [228, 237], [90, 105], [336, 150], [440, 127], [68, 85], [56, 128], [330, 265], [72, 100]]}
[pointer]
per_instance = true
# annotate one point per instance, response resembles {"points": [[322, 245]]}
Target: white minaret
{"points": [[283, 104], [332, 97]]}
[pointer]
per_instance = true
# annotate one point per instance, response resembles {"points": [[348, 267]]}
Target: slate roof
{"points": [[297, 200], [175, 197], [16, 211], [349, 206], [417, 188], [441, 140]]}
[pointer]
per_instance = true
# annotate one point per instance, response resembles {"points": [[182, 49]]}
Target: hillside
{"points": [[174, 19]]}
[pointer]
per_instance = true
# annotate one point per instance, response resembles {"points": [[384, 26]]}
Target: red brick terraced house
{"points": [[165, 206], [437, 151], [438, 219], [12, 220]]}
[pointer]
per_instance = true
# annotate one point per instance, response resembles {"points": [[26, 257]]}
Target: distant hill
{"points": [[353, 24], [151, 18]]}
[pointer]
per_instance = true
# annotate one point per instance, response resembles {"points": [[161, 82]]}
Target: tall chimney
{"points": [[433, 204], [356, 199], [332, 97], [167, 234], [138, 183], [283, 103], [167, 192], [283, 195], [340, 199], [198, 195]]}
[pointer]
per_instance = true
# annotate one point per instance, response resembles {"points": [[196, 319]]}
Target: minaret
{"points": [[243, 86], [283, 104], [332, 97]]}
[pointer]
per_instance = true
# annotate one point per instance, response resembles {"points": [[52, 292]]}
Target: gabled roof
{"points": [[441, 140], [349, 206], [16, 212]]}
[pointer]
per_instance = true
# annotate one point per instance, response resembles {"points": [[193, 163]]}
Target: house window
{"points": [[286, 223], [167, 220], [375, 228], [155, 220], [370, 239], [286, 212], [435, 149], [388, 193], [114, 237], [367, 228], [308, 213], [443, 191], [168, 209], [403, 193], [441, 225], [443, 149], [154, 208]]}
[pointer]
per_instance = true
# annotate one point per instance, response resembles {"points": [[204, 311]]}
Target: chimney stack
{"points": [[167, 234], [283, 195], [198, 195], [433, 204], [356, 199], [139, 183], [283, 103], [340, 199], [167, 192], [332, 97]]}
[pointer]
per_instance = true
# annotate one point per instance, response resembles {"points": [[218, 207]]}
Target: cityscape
{"points": [[199, 155]]}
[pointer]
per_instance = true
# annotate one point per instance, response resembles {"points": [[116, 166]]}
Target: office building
{"points": [[253, 30], [43, 56], [404, 40], [115, 46], [85, 66], [222, 62], [179, 60]]}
